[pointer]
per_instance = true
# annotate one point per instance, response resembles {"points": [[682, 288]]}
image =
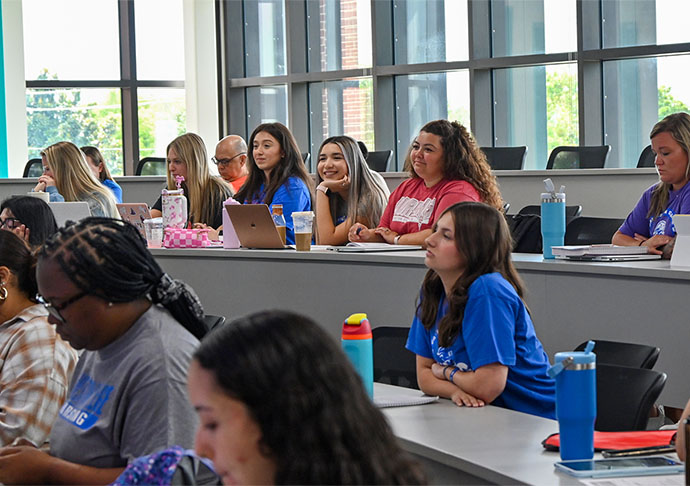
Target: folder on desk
{"points": [[603, 253], [357, 247]]}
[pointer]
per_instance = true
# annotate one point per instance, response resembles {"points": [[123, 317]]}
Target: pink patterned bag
{"points": [[186, 238]]}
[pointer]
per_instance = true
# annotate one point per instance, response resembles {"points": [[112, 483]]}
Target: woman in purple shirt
{"points": [[651, 221]]}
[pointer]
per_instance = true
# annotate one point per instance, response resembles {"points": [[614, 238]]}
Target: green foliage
{"points": [[668, 104], [561, 109]]}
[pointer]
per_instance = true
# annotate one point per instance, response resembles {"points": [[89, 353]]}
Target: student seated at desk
{"points": [[447, 167], [651, 221], [187, 157], [138, 328], [277, 174], [472, 334], [348, 191], [28, 217], [67, 177], [270, 416], [100, 170]]}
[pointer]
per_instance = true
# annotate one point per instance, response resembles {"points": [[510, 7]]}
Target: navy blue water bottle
{"points": [[576, 401], [357, 344]]}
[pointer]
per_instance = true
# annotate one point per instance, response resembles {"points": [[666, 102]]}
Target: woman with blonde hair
{"points": [[187, 157], [348, 192], [67, 177]]}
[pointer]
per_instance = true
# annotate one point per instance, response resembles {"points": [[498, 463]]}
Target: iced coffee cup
{"points": [[302, 221], [154, 232], [41, 195]]}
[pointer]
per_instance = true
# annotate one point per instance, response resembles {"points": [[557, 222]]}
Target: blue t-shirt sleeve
{"points": [[488, 328], [294, 196], [637, 221], [419, 340], [115, 187], [55, 196]]}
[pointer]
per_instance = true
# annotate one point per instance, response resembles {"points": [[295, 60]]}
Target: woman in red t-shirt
{"points": [[447, 167]]}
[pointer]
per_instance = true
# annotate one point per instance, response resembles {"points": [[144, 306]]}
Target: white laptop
{"points": [[69, 211]]}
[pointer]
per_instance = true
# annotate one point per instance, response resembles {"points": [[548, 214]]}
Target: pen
{"points": [[640, 451]]}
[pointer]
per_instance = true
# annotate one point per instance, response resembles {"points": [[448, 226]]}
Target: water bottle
{"points": [[552, 221], [279, 220], [174, 208], [576, 402], [357, 344]]}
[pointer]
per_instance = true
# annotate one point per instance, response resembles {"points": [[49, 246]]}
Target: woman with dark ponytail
{"points": [[138, 328], [446, 167]]}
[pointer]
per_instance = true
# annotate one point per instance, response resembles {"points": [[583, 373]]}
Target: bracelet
{"points": [[322, 189], [640, 244], [444, 371], [452, 373], [396, 239]]}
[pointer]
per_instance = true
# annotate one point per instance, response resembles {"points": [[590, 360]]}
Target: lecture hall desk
{"points": [[571, 302]]}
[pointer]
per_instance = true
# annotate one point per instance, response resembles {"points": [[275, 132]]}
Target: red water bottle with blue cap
{"points": [[357, 343]]}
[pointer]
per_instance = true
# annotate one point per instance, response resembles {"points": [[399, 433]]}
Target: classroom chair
{"points": [[505, 158], [625, 396], [306, 158], [213, 322], [380, 160], [571, 212], [33, 168], [566, 157], [393, 363], [624, 354], [149, 166], [647, 157], [586, 230]]}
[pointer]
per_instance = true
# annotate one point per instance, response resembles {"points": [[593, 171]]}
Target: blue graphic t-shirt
{"points": [[294, 196], [638, 222], [496, 328]]}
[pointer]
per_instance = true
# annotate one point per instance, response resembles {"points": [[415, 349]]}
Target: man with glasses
{"points": [[231, 159]]}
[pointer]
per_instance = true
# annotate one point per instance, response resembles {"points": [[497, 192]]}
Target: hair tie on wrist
{"points": [[444, 371], [452, 373]]}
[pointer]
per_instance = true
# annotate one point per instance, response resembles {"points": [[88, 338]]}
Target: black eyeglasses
{"points": [[226, 161], [9, 223], [54, 310]]}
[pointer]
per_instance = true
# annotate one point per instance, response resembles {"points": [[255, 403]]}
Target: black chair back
{"points": [[647, 157], [625, 395], [380, 160], [213, 322], [624, 354], [587, 230], [571, 212], [393, 363], [505, 158], [565, 157], [152, 166], [33, 168], [306, 158]]}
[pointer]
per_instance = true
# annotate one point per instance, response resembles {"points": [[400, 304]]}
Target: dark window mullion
{"points": [[128, 73]]}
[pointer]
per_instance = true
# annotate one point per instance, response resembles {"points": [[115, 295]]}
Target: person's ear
{"points": [[5, 274], [243, 160]]}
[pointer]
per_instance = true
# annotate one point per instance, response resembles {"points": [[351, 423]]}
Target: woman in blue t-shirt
{"points": [[472, 334], [276, 173]]}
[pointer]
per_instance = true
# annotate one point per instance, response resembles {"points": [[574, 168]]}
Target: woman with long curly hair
{"points": [[447, 167], [472, 333]]}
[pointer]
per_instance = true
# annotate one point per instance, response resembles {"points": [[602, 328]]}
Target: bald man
{"points": [[231, 159]]}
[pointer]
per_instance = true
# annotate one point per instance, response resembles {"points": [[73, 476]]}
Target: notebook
{"points": [[69, 211], [603, 253], [357, 247], [135, 213], [254, 226]]}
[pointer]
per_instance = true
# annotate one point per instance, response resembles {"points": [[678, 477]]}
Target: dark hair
{"points": [[483, 240], [108, 258], [464, 160], [318, 425], [678, 126], [363, 148], [98, 159], [35, 214], [291, 165], [16, 255]]}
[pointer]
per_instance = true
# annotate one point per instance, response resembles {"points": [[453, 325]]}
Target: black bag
{"points": [[526, 232]]}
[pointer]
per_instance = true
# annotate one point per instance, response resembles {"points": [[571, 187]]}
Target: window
{"points": [[266, 105], [264, 31]]}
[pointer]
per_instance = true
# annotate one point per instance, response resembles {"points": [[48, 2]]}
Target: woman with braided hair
{"points": [[138, 328], [446, 167]]}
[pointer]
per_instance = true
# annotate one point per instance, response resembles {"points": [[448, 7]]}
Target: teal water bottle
{"points": [[357, 343], [552, 221]]}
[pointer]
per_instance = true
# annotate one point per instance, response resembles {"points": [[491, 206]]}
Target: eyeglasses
{"points": [[54, 310], [226, 161], [9, 223]]}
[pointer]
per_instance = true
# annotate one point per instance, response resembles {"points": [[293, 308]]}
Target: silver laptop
{"points": [[69, 211]]}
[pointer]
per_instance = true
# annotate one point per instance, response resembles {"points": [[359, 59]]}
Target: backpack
{"points": [[526, 232]]}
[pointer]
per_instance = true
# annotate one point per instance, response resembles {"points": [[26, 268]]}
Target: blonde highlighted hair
{"points": [[206, 193], [74, 179]]}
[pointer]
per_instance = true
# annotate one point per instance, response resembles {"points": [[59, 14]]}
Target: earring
{"points": [[3, 292]]}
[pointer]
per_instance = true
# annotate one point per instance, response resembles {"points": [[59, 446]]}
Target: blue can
{"points": [[576, 403], [552, 221]]}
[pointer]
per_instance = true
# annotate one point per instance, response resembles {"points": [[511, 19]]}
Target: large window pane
{"points": [[81, 116], [264, 37], [430, 31], [265, 105], [339, 34], [342, 108], [421, 98], [71, 39], [522, 27], [160, 39], [162, 117], [537, 107], [644, 22], [638, 93]]}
